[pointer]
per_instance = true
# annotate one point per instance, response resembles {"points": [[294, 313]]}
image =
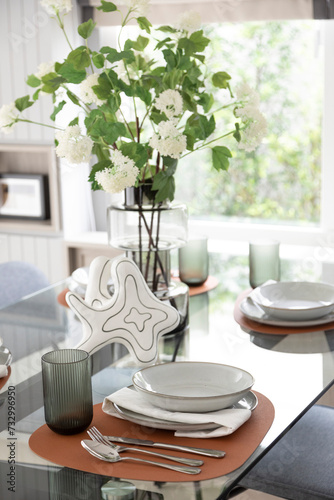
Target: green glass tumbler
{"points": [[67, 390], [194, 262], [264, 262]]}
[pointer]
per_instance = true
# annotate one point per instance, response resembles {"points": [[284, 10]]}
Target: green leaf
{"points": [[220, 157], [144, 24], [189, 103], [114, 55], [23, 103], [221, 79], [79, 57], [74, 122], [143, 94], [170, 59], [57, 109], [172, 77], [165, 186], [52, 82], [107, 6], [162, 43], [157, 117], [98, 60], [86, 29], [36, 94], [199, 126], [33, 81], [110, 132], [73, 97], [71, 74], [104, 87], [206, 101], [190, 142], [236, 133], [199, 40], [195, 43], [167, 29], [136, 151], [139, 44]]}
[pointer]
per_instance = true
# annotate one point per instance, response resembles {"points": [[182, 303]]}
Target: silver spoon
{"points": [[107, 454], [96, 435]]}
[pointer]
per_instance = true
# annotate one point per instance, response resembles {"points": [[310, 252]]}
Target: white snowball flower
{"points": [[87, 93], [122, 175], [56, 6], [189, 21], [8, 117], [45, 69], [245, 93], [169, 141], [169, 102], [255, 124], [255, 127], [73, 146], [138, 6]]}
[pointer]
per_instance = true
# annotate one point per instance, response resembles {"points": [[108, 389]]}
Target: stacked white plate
{"points": [[192, 386], [291, 303]]}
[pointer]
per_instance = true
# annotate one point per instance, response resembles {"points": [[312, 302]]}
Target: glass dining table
{"points": [[292, 371]]}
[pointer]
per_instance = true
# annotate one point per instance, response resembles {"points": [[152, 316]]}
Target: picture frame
{"points": [[24, 196]]}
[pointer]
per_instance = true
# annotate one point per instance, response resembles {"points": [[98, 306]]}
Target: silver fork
{"points": [[96, 435]]}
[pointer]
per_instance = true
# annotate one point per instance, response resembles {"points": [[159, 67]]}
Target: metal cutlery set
{"points": [[102, 447]]}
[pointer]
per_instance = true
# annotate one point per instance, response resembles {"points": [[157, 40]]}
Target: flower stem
{"points": [[38, 123], [61, 24]]}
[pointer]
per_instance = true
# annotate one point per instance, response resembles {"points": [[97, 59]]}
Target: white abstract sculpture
{"points": [[132, 316]]}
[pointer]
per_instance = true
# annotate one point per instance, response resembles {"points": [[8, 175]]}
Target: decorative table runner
{"points": [[208, 285], [3, 380], [250, 324], [67, 450]]}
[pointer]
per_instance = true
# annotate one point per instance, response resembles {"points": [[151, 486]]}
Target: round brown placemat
{"points": [[4, 380], [67, 450], [208, 285], [250, 324]]}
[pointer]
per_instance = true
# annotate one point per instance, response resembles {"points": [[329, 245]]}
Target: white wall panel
{"points": [[15, 247]]}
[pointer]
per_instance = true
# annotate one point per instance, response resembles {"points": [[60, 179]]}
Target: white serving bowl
{"points": [[192, 386], [295, 300]]}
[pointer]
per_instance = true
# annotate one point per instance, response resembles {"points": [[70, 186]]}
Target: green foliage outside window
{"points": [[281, 180]]}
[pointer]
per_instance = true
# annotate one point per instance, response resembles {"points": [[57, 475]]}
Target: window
{"points": [[281, 181]]}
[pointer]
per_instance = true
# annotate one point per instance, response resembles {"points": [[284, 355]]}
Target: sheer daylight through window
{"points": [[281, 180]]}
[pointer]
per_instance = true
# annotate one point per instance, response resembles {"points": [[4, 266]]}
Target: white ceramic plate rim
{"points": [[267, 302], [250, 398], [253, 314], [193, 398], [6, 354]]}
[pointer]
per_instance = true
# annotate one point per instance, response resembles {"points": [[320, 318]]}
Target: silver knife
{"points": [[189, 449]]}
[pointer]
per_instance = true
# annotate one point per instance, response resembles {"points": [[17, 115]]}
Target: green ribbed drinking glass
{"points": [[67, 390]]}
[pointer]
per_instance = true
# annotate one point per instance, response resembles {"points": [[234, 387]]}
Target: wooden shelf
{"points": [[35, 159]]}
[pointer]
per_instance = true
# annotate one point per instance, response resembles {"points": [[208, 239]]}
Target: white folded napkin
{"points": [[3, 371], [228, 420]]}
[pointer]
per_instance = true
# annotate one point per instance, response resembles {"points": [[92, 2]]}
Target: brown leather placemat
{"points": [[3, 380], [67, 450], [250, 324]]}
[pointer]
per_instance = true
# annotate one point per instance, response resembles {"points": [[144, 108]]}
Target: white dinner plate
{"points": [[253, 312], [295, 300], [192, 386], [248, 402]]}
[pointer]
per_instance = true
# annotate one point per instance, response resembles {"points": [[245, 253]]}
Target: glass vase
{"points": [[147, 233]]}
